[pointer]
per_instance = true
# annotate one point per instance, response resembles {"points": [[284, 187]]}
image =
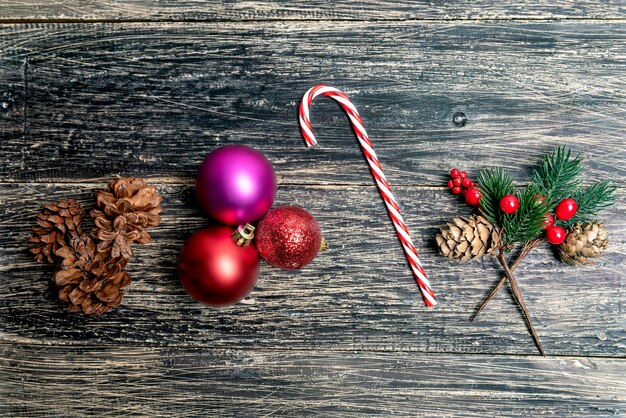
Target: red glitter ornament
{"points": [[214, 269], [288, 237]]}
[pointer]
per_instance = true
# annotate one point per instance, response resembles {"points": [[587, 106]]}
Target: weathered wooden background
{"points": [[92, 89]]}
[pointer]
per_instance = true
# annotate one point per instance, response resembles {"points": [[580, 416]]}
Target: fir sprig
{"points": [[592, 200], [528, 221], [558, 175], [493, 184]]}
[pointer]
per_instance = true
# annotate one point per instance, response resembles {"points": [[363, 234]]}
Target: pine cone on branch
{"points": [[583, 241], [467, 238], [57, 224], [124, 209], [89, 281]]}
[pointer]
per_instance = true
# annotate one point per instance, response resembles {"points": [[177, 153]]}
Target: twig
{"points": [[517, 292], [528, 246]]}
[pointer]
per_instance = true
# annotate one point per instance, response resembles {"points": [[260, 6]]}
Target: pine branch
{"points": [[517, 293], [592, 200], [493, 184], [528, 246], [527, 222], [558, 175]]}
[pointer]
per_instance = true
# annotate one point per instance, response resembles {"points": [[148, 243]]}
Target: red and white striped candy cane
{"points": [[377, 172]]}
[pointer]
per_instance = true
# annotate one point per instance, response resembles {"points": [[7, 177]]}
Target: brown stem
{"points": [[517, 292], [525, 250]]}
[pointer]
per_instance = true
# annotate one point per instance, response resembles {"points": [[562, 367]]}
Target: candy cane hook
{"points": [[377, 171]]}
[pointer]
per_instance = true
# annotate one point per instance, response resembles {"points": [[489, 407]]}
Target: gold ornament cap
{"points": [[243, 235]]}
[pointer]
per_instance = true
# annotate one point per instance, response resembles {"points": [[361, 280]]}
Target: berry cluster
{"points": [[564, 211], [460, 183]]}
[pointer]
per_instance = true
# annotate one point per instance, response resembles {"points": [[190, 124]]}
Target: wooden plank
{"points": [[12, 103], [311, 9], [358, 296], [43, 381], [153, 99]]}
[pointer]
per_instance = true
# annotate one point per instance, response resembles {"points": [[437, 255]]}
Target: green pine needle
{"points": [[592, 200], [528, 221], [493, 184], [558, 175]]}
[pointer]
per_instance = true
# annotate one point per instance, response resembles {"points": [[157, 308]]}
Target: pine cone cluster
{"points": [[56, 224], [90, 274], [88, 280], [467, 238], [583, 241], [124, 209]]}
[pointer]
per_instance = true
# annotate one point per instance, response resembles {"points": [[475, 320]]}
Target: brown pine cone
{"points": [[124, 209], [88, 280], [467, 238], [583, 241], [57, 224]]}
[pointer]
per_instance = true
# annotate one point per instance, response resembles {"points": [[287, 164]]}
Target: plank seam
{"points": [[538, 19], [292, 349]]}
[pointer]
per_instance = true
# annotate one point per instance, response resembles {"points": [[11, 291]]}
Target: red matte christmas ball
{"points": [[288, 237], [566, 209], [509, 204], [214, 270], [555, 235]]}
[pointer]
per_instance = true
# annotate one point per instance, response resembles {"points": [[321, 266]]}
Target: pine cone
{"points": [[88, 280], [125, 208], [467, 238], [583, 241], [57, 224]]}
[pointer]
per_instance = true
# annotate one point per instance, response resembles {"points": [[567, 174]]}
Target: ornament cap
{"points": [[243, 235], [324, 245]]}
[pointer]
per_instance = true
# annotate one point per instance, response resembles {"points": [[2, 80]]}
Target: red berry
{"points": [[548, 222], [456, 190], [472, 196], [555, 235], [463, 174], [566, 209], [450, 185], [539, 199], [457, 181], [454, 173], [472, 184], [466, 182], [509, 204]]}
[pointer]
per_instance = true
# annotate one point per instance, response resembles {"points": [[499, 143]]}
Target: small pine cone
{"points": [[87, 280], [467, 238], [583, 241], [124, 209], [57, 224]]}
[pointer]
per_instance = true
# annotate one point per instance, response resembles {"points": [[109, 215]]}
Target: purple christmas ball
{"points": [[236, 185]]}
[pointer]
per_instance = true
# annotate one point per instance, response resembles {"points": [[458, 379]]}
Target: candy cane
{"points": [[377, 172]]}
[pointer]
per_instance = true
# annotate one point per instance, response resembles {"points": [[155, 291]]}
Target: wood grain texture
{"points": [[42, 381], [348, 335], [152, 99], [120, 10], [358, 296]]}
